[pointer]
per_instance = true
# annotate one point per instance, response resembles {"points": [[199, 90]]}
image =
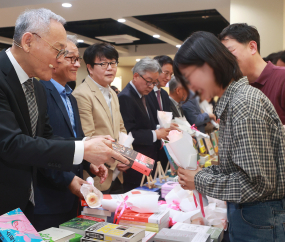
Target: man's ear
{"points": [[27, 40], [90, 69], [136, 75], [253, 47]]}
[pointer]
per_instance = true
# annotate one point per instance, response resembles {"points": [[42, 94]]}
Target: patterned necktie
{"points": [[32, 104], [70, 114], [144, 104], [158, 99]]}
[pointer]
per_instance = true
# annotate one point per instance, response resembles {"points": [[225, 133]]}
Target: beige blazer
{"points": [[96, 119]]}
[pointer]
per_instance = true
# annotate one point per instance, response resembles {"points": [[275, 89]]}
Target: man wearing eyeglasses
{"points": [[57, 193], [158, 97], [138, 118], [99, 107], [26, 138]]}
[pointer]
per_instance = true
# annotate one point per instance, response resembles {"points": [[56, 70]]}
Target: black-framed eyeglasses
{"points": [[105, 65], [60, 52], [74, 59], [149, 83]]}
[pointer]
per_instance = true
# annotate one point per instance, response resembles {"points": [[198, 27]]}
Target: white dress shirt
{"points": [[106, 91], [23, 77], [153, 132]]}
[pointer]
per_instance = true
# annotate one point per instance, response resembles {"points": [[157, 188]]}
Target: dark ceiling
{"points": [[179, 25]]}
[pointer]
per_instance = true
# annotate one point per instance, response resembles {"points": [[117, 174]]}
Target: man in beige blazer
{"points": [[99, 106]]}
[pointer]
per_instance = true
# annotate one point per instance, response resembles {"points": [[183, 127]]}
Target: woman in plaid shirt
{"points": [[251, 174]]}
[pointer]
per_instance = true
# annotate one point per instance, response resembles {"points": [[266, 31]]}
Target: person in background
{"points": [[158, 98], [177, 95], [281, 59], [243, 41], [251, 174], [26, 138], [193, 114], [99, 107], [116, 90], [273, 57], [137, 116], [58, 192]]}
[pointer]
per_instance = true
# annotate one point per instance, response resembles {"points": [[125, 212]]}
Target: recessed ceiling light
{"points": [[66, 5], [137, 60], [80, 40], [178, 46], [205, 17], [156, 36], [121, 20]]}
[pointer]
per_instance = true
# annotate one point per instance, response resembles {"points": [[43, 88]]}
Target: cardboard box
{"points": [[113, 232], [138, 161]]}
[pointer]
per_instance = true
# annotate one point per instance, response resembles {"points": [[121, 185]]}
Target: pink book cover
{"points": [[168, 186], [15, 227]]}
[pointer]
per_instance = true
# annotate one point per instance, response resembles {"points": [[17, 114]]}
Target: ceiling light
{"points": [[205, 17], [121, 20], [80, 40], [178, 46], [156, 36], [66, 5], [137, 60]]}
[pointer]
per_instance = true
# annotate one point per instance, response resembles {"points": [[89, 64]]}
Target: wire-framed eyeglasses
{"points": [[74, 59]]}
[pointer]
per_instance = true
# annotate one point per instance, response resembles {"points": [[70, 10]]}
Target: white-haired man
{"points": [[26, 138]]}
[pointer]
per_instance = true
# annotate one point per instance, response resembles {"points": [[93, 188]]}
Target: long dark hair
{"points": [[204, 47]]}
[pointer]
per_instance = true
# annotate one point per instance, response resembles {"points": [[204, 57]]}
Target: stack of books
{"points": [[112, 232], [215, 233], [167, 187], [96, 212], [173, 235], [80, 224], [152, 222]]}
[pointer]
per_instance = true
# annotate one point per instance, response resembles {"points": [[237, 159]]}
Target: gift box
{"points": [[167, 187]]}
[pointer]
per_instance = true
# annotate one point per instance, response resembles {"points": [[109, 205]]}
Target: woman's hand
{"points": [[186, 178]]}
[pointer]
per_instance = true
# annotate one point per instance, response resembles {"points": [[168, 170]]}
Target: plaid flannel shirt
{"points": [[251, 149]]}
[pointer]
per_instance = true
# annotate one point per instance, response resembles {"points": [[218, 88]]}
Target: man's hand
{"points": [[122, 167], [75, 186], [212, 116], [174, 126], [98, 151], [100, 171], [162, 133], [107, 137], [186, 178]]}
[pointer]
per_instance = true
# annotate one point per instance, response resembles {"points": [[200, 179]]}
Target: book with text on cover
{"points": [[15, 227], [138, 161], [56, 235]]}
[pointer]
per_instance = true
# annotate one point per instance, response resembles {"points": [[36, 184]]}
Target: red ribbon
{"points": [[201, 203]]}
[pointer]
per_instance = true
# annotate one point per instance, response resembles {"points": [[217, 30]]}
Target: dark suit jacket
{"points": [[19, 152], [194, 115], [173, 109], [154, 106], [52, 195], [138, 122]]}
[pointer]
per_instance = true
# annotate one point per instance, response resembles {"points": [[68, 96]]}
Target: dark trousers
{"points": [[115, 188], [45, 221], [29, 212]]}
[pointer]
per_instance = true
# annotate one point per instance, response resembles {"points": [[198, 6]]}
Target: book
{"points": [[138, 161], [146, 226], [96, 216], [113, 232], [80, 223], [56, 235], [76, 238], [15, 227], [215, 233], [155, 218], [173, 235], [215, 143], [148, 236], [167, 187], [97, 211]]}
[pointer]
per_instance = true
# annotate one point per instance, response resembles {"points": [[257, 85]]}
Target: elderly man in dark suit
{"points": [[57, 192], [138, 118], [26, 138]]}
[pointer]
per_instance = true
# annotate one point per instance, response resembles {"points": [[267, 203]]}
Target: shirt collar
{"points": [[62, 90], [132, 84], [22, 75], [104, 90], [265, 74], [155, 88], [231, 89], [175, 103]]}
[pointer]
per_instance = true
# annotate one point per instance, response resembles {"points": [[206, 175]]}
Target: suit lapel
{"points": [[19, 94], [60, 104], [174, 109], [153, 98], [98, 94], [137, 99]]}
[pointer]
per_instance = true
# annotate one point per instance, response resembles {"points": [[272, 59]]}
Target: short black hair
{"points": [[204, 47], [273, 57], [99, 50], [241, 32], [163, 60]]}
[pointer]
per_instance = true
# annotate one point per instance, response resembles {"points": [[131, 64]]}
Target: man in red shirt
{"points": [[243, 41]]}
